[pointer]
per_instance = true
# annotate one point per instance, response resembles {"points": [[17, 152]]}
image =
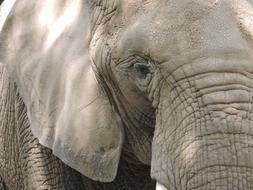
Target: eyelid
{"points": [[130, 61]]}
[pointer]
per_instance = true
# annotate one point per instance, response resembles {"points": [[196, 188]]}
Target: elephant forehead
{"points": [[179, 27]]}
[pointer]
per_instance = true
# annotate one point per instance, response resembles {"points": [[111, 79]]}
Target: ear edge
{"points": [[105, 163]]}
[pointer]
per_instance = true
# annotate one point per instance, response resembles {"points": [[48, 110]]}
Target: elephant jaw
{"points": [[160, 187]]}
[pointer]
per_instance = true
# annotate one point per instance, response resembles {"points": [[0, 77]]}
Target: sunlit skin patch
{"points": [[57, 26], [245, 11], [5, 10], [47, 14]]}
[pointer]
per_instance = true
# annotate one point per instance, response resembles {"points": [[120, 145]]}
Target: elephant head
{"points": [[169, 79]]}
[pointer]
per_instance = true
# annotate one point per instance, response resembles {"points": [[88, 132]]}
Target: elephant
{"points": [[127, 94]]}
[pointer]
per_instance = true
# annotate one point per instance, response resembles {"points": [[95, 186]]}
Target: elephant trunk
{"points": [[204, 133]]}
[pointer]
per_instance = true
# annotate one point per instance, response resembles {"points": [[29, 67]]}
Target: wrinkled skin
{"points": [[179, 75], [25, 164]]}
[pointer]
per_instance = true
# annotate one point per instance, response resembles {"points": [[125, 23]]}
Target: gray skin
{"points": [[179, 75], [26, 164]]}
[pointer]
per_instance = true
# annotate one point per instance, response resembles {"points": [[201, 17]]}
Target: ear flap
{"points": [[49, 61]]}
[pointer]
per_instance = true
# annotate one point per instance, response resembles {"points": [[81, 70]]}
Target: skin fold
{"points": [[174, 75], [25, 164]]}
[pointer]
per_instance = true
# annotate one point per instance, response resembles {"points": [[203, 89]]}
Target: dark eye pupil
{"points": [[142, 68]]}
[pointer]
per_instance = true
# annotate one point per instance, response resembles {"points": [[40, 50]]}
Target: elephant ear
{"points": [[46, 53]]}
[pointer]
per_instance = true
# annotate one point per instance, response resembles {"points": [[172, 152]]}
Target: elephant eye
{"points": [[142, 69], [143, 72], [139, 69]]}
